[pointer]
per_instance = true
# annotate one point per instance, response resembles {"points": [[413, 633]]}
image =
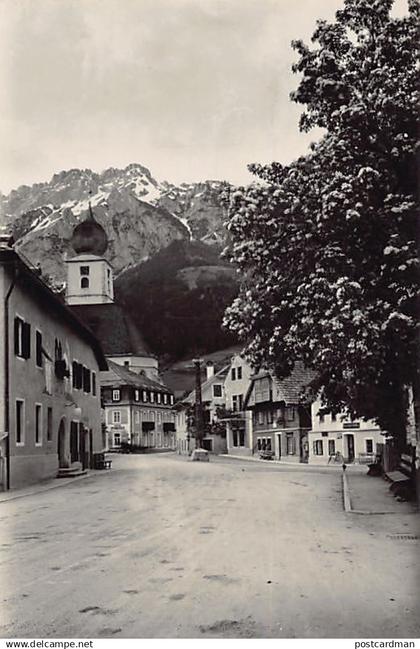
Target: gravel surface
{"points": [[164, 547]]}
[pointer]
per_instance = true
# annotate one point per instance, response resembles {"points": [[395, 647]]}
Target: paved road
{"points": [[163, 547]]}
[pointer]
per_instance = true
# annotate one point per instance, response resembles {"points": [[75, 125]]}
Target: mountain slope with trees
{"points": [[178, 299]]}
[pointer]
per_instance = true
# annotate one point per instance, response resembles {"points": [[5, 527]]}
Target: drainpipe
{"points": [[6, 375]]}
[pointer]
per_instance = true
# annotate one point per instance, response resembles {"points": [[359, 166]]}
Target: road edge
{"points": [[346, 493]]}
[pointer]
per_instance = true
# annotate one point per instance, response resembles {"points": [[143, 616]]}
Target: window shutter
{"points": [[80, 376], [39, 348], [26, 340], [88, 381], [18, 322]]}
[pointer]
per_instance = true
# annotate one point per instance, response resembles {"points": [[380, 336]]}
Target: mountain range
{"points": [[164, 243], [139, 214]]}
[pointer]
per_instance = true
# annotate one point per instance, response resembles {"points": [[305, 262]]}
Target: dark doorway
{"points": [[83, 453], [208, 444], [350, 448], [74, 441], [90, 448], [61, 445]]}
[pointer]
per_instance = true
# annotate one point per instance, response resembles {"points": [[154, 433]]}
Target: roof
{"points": [[30, 279], [114, 328], [289, 389], [221, 374], [118, 376], [181, 376]]}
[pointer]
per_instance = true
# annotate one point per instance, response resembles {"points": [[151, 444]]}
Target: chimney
{"points": [[209, 370]]}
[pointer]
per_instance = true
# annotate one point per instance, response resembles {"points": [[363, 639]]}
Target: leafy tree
{"points": [[328, 245]]}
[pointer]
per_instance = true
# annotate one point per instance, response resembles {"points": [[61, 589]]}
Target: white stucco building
{"points": [[355, 441]]}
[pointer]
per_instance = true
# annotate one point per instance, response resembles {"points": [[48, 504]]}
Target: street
{"points": [[163, 547]]}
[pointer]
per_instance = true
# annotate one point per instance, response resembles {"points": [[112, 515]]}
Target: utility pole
{"points": [[199, 432]]}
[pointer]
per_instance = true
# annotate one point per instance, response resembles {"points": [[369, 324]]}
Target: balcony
{"points": [[169, 427]]}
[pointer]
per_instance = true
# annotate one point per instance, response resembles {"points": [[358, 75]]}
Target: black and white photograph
{"points": [[209, 322]]}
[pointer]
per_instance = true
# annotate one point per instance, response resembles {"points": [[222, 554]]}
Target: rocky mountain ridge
{"points": [[140, 215]]}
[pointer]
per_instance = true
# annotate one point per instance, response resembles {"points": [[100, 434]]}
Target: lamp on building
{"points": [[77, 412]]}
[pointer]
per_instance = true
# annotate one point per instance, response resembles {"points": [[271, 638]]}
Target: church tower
{"points": [[89, 274], [90, 295]]}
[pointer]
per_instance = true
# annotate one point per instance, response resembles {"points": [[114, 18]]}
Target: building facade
{"points": [[138, 411], [239, 429], [214, 400], [281, 415], [50, 412], [334, 437]]}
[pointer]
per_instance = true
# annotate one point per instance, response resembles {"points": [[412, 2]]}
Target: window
{"points": [[269, 416], [259, 446], [116, 395], [116, 416], [331, 447], [333, 416], [171, 399], [22, 338], [49, 424], [38, 424], [158, 397], [84, 282], [144, 395], [268, 444], [20, 423], [117, 439], [260, 416], [217, 390], [239, 372], [152, 397], [165, 398], [237, 401], [94, 384], [290, 444], [136, 395], [233, 376], [38, 350], [290, 413], [84, 270], [318, 447], [321, 420], [369, 445]]}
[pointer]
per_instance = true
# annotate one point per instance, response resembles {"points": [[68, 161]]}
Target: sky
{"points": [[192, 89]]}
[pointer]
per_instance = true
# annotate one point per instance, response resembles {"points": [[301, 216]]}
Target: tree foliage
{"points": [[328, 245]]}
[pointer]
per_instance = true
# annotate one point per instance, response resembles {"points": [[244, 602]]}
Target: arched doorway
{"points": [[61, 445]]}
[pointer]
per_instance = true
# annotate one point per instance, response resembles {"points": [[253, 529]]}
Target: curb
{"points": [[249, 458], [348, 508], [56, 484], [346, 493]]}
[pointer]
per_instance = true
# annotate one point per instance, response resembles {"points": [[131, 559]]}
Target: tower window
{"points": [[84, 270], [84, 282]]}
